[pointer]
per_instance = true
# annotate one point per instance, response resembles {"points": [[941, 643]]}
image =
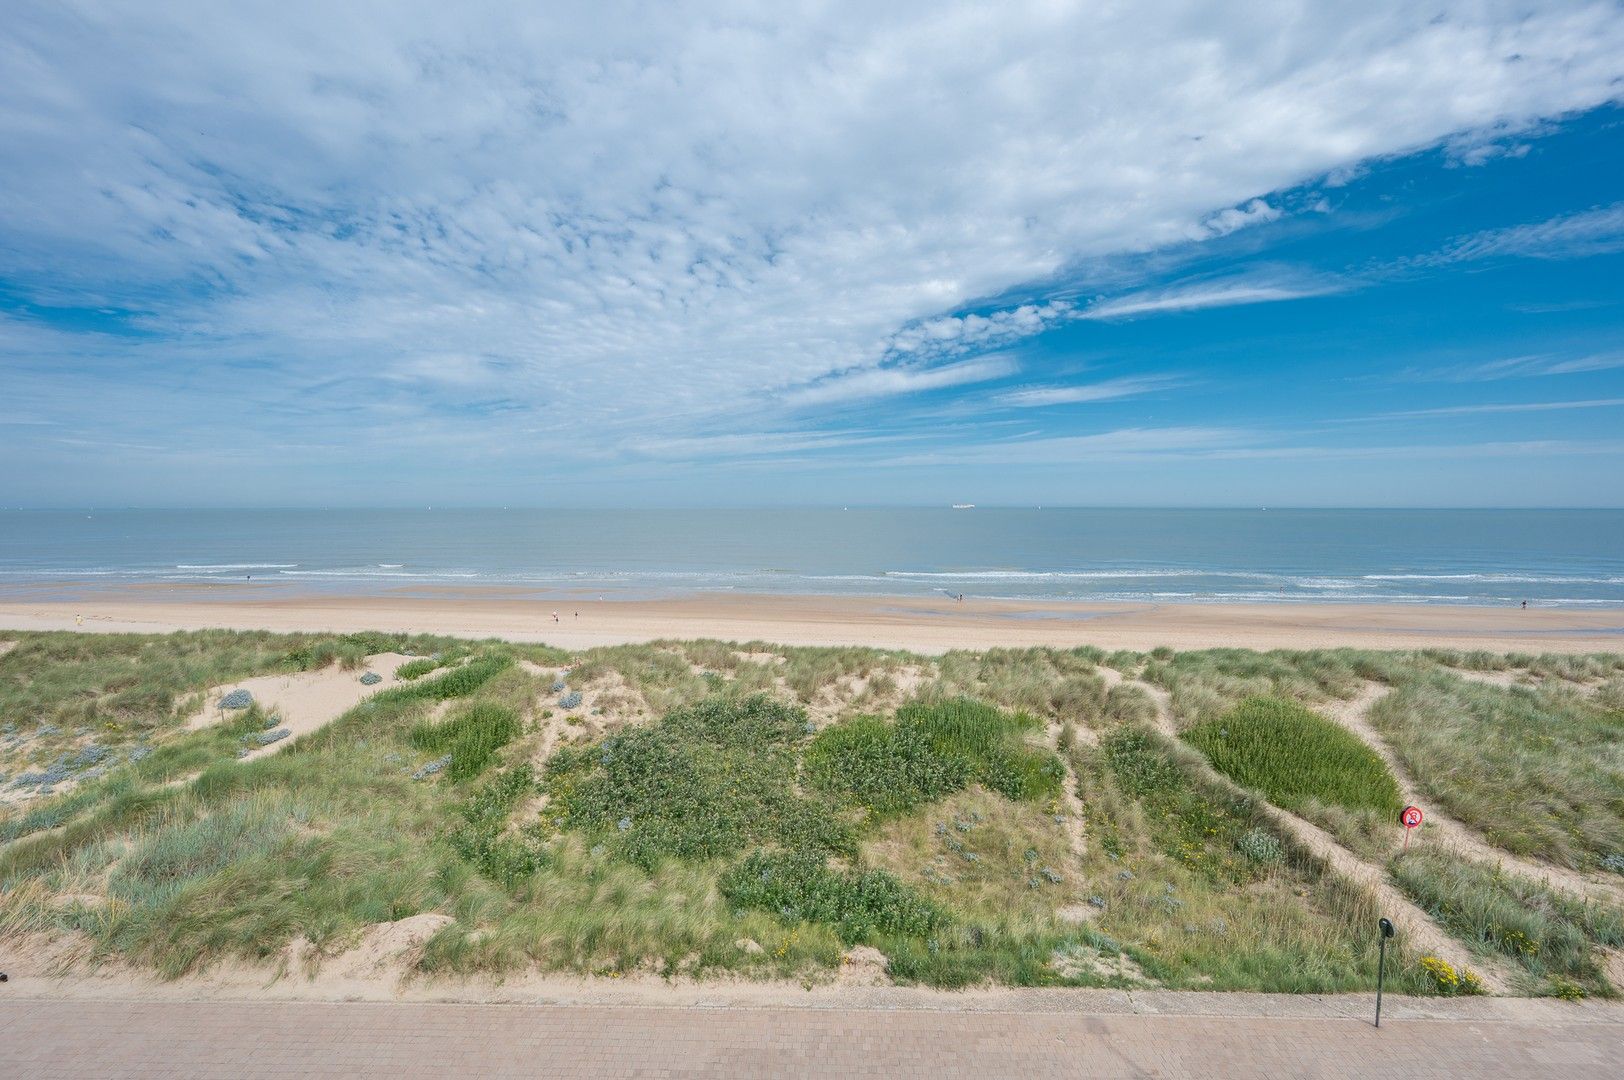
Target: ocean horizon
{"points": [[1474, 557]]}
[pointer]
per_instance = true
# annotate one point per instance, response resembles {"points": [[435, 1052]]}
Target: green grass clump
{"points": [[706, 781], [799, 886], [1294, 755], [1184, 875], [412, 669], [885, 767], [482, 837], [1551, 936], [472, 736], [1540, 772], [166, 861], [458, 682], [1201, 828], [932, 749]]}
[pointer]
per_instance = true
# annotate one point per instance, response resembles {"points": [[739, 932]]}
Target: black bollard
{"points": [[1381, 964]]}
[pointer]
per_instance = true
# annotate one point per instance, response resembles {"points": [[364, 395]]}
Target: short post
{"points": [[1410, 818], [1381, 964]]}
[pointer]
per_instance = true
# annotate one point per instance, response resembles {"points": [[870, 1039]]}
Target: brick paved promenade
{"points": [[58, 1038]]}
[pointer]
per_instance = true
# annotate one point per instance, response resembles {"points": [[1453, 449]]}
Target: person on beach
{"points": [[1525, 605], [78, 620], [555, 616]]}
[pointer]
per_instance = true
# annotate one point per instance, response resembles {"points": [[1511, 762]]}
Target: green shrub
{"points": [[933, 749], [706, 781], [472, 737], [482, 837], [798, 886], [1293, 755], [1260, 845], [887, 768]]}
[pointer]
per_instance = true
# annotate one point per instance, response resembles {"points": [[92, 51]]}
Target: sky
{"points": [[1284, 254]]}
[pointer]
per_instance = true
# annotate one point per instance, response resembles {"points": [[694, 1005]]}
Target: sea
{"points": [[1198, 556]]}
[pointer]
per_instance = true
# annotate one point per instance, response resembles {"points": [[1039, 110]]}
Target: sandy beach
{"points": [[925, 625]]}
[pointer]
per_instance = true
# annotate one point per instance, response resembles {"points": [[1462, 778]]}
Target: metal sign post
{"points": [[1386, 925]]}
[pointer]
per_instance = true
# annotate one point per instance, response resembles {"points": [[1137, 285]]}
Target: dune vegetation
{"points": [[1537, 769], [1025, 817], [1295, 757]]}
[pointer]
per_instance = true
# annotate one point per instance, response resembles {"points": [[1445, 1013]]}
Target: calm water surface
{"points": [[1473, 556]]}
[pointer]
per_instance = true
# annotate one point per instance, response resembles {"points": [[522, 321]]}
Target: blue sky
{"points": [[1016, 253]]}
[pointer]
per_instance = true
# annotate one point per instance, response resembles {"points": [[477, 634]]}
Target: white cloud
{"points": [[1599, 231], [1121, 444], [1104, 390], [548, 231], [1512, 407], [892, 381], [1209, 295], [1536, 365], [1255, 212]]}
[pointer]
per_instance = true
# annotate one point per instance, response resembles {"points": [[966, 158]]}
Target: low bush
{"points": [[887, 768], [482, 837], [931, 750], [1293, 755], [706, 781], [799, 886]]}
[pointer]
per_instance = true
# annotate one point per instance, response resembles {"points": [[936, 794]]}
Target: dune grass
{"points": [[472, 735], [1293, 755], [1195, 884], [1551, 936], [413, 669], [187, 856], [1540, 772]]}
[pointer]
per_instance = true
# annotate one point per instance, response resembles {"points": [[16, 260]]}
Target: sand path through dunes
{"points": [[1438, 827], [306, 701], [1422, 934]]}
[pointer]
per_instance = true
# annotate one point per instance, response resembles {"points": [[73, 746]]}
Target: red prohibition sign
{"points": [[1410, 818]]}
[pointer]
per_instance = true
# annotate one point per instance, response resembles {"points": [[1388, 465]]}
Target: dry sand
{"points": [[302, 701], [926, 625]]}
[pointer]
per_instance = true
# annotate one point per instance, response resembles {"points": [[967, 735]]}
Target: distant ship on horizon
{"points": [[964, 506]]}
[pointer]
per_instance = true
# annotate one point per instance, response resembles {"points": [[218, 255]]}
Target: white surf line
{"points": [[1353, 715]]}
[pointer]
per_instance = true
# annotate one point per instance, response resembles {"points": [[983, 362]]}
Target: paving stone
{"points": [[82, 1038]]}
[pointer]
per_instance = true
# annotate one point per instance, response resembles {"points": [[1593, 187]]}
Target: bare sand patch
{"points": [[304, 701], [864, 965]]}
